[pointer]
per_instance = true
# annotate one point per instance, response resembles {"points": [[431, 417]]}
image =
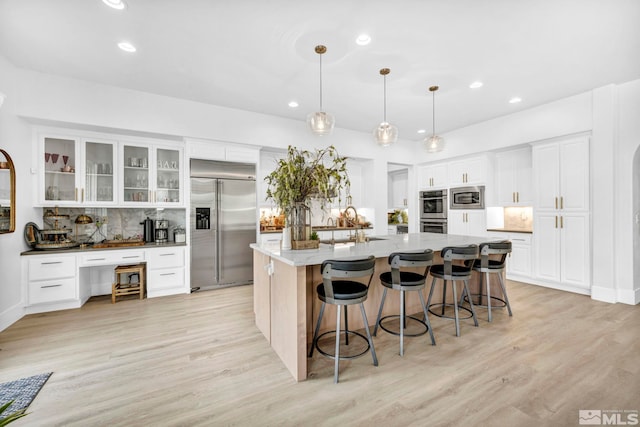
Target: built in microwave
{"points": [[466, 197]]}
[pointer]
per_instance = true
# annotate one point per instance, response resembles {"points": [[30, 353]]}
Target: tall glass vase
{"points": [[300, 221]]}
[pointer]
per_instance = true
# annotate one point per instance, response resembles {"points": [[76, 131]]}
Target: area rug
{"points": [[21, 391]]}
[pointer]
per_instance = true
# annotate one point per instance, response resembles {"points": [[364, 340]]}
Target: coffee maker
{"points": [[162, 231]]}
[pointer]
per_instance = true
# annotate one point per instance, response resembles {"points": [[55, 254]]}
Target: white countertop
{"points": [[378, 248]]}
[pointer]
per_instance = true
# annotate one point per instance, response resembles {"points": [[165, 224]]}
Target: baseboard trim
{"points": [[604, 294], [11, 316], [630, 296]]}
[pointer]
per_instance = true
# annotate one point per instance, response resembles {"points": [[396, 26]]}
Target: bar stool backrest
{"points": [[409, 259], [458, 253], [502, 248], [347, 269]]}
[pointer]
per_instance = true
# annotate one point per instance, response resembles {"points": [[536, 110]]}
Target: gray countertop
{"points": [[378, 248], [91, 249]]}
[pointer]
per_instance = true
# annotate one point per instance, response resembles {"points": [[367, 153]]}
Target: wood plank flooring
{"points": [[199, 360]]}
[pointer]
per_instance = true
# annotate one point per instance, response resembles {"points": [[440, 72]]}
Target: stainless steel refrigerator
{"points": [[223, 223]]}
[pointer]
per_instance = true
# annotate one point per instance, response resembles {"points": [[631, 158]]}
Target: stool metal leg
{"points": [[504, 292], [488, 295], [384, 296], [402, 323], [480, 289], [346, 325], [315, 334], [337, 361], [433, 284], [455, 307], [366, 328], [473, 310], [444, 295], [426, 318]]}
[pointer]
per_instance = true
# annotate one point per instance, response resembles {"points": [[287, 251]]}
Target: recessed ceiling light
{"points": [[116, 4], [293, 104], [127, 47], [422, 131], [363, 39], [476, 85], [514, 100]]}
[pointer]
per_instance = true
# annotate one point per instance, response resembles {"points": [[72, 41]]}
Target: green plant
{"points": [[303, 175], [314, 236], [11, 417]]}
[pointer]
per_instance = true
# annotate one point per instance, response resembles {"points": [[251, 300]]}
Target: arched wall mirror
{"points": [[7, 194]]}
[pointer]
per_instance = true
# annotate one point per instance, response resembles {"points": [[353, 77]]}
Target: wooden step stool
{"points": [[122, 287]]}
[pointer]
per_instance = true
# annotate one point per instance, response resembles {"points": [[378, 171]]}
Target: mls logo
{"points": [[589, 417]]}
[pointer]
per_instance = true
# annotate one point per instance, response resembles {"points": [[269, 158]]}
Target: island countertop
{"points": [[378, 248]]}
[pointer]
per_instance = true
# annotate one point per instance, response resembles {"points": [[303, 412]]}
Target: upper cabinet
{"points": [[514, 177], [397, 189], [95, 171], [562, 175], [433, 176], [469, 171], [76, 171], [151, 174]]}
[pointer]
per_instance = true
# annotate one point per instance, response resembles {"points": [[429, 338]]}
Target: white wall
{"points": [[626, 193]]}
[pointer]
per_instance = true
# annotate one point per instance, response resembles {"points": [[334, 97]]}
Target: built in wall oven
{"points": [[467, 197], [433, 226], [433, 204]]}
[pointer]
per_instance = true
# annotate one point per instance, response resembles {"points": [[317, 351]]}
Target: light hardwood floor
{"points": [[199, 360]]}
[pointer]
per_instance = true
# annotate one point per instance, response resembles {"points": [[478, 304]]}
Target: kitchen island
{"points": [[285, 301]]}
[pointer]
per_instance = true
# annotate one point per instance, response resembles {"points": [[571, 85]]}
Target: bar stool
{"points": [[485, 267], [406, 281], [344, 293], [454, 273]]}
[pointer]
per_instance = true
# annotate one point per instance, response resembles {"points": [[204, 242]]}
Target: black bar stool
{"points": [[454, 273], [406, 281], [485, 267], [344, 293]]}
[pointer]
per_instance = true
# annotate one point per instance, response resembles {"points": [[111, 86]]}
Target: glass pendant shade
{"points": [[385, 134], [320, 123], [434, 143]]}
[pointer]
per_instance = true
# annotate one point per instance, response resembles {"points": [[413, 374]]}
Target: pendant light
{"points": [[320, 122], [434, 143], [385, 133]]}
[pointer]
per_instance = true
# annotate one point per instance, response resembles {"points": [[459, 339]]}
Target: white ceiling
{"points": [[258, 55]]}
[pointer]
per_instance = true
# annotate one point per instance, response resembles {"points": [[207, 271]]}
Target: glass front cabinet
{"points": [[79, 171], [151, 175], [76, 171]]}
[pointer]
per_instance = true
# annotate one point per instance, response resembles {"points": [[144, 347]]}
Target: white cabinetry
{"points": [[51, 279], [513, 177], [397, 189], [165, 271], [151, 174], [561, 216], [433, 176], [467, 222], [519, 261], [471, 170], [75, 171]]}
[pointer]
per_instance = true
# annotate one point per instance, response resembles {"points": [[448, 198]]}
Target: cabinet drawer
{"points": [[520, 238], [166, 258], [107, 258], [165, 278], [52, 290], [47, 268]]}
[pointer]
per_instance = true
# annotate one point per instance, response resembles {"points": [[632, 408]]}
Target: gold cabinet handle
{"points": [[561, 202], [556, 203], [561, 222], [82, 192], [513, 197], [75, 197], [517, 197], [556, 221]]}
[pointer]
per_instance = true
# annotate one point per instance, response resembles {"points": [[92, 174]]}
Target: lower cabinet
{"points": [[51, 279], [165, 271], [519, 261], [59, 282], [467, 222]]}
